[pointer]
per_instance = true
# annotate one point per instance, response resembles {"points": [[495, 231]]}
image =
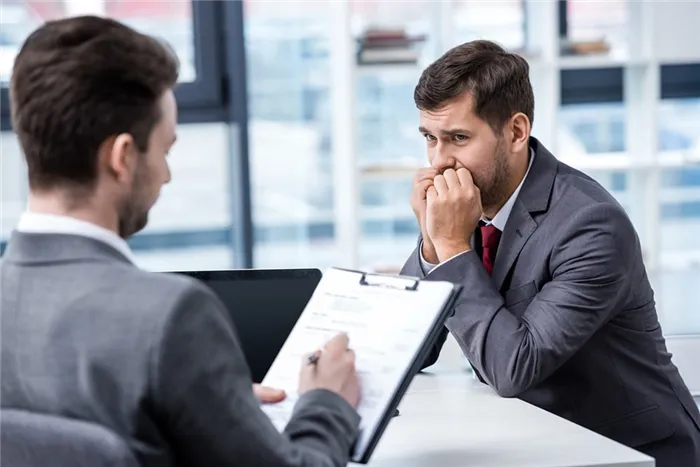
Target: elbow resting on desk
{"points": [[509, 376], [523, 368], [513, 381]]}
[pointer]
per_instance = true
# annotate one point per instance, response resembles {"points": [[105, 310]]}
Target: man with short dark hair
{"points": [[88, 335], [556, 308]]}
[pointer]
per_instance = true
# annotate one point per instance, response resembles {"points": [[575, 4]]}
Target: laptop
{"points": [[264, 305]]}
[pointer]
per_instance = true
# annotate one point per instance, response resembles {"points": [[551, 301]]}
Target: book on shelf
{"points": [[384, 57], [379, 46], [581, 47]]}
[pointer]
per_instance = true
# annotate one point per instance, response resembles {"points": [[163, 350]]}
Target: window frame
{"points": [[203, 100], [217, 95]]}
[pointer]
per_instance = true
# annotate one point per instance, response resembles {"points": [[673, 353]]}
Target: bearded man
{"points": [[556, 308], [86, 334]]}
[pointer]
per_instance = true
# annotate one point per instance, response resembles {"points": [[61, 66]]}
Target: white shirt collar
{"points": [[501, 217], [32, 222]]}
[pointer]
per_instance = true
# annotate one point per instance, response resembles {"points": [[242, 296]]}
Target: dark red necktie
{"points": [[490, 235]]}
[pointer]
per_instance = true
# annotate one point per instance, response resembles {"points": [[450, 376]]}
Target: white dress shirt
{"points": [[499, 220], [32, 222]]}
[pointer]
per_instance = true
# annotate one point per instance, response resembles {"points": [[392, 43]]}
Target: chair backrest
{"points": [[31, 439]]}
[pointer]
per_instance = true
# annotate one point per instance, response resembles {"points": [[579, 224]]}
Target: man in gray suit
{"points": [[88, 335], [556, 308]]}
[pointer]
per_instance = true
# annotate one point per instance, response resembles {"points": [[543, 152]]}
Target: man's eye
{"points": [[429, 137], [460, 138]]}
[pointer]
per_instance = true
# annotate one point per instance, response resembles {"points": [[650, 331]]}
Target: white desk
{"points": [[449, 420]]}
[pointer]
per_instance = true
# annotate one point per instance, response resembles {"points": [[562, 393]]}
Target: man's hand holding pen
{"points": [[333, 369]]}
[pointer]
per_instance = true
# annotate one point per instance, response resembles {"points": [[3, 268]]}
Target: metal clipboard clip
{"points": [[389, 282]]}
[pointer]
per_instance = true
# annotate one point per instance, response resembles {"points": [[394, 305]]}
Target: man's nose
{"points": [[442, 160], [168, 175]]}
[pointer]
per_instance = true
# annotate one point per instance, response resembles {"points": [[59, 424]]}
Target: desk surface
{"points": [[449, 420]]}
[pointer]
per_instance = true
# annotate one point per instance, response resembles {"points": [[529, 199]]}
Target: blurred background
{"points": [[298, 135]]}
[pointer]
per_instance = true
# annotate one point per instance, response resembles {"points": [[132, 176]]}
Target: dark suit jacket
{"points": [[154, 357], [568, 322]]}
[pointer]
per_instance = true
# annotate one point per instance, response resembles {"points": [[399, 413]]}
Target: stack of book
{"points": [[388, 46], [584, 47]]}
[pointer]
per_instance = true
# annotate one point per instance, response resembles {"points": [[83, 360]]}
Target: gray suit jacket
{"points": [[154, 357], [567, 321]]}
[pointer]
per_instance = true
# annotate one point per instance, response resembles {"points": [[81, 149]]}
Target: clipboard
{"points": [[409, 284], [399, 289]]}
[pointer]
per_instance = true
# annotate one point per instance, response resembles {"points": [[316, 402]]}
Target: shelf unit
{"points": [[641, 70]]}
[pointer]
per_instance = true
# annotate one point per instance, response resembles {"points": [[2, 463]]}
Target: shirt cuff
{"points": [[430, 267], [425, 266]]}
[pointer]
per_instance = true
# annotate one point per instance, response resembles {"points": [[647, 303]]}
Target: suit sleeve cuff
{"points": [[341, 420], [430, 267]]}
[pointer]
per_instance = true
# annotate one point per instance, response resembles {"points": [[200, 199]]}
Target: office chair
{"points": [[31, 439]]}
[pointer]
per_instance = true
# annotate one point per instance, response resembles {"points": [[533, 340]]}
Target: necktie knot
{"points": [[490, 235]]}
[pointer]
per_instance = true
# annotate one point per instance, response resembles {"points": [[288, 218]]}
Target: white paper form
{"points": [[386, 325]]}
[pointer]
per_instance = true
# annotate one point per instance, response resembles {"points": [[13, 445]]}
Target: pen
{"points": [[313, 358]]}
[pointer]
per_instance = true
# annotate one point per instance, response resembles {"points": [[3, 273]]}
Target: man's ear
{"points": [[119, 154], [518, 132]]}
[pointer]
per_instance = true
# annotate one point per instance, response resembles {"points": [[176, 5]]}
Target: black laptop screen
{"points": [[264, 306]]}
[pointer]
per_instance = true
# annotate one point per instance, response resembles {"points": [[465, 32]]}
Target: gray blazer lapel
{"points": [[518, 229], [533, 198]]}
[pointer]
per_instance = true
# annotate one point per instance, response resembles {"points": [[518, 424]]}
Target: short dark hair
{"points": [[75, 83], [497, 79]]}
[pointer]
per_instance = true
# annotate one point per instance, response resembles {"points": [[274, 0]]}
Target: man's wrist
{"points": [[428, 252]]}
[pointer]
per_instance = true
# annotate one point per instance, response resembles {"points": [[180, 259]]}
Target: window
{"points": [[201, 218], [170, 21], [592, 130], [606, 128], [17, 20], [679, 206], [502, 21], [189, 27], [288, 64], [593, 135], [180, 233]]}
